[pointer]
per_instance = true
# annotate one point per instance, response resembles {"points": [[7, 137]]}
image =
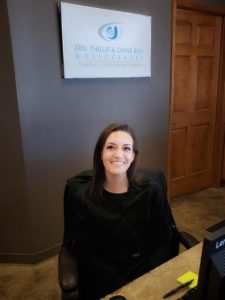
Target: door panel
{"points": [[182, 82], [179, 147], [199, 138], [196, 53], [203, 85]]}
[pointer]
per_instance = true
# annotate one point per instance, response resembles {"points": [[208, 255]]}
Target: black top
{"points": [[120, 236]]}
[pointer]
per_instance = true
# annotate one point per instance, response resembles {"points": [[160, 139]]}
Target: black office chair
{"points": [[67, 263]]}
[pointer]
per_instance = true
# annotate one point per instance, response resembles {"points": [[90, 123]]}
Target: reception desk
{"points": [[153, 285]]}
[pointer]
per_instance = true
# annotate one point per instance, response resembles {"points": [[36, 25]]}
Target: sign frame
{"points": [[103, 43]]}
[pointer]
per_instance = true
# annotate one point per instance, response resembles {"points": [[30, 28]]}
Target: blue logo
{"points": [[110, 32]]}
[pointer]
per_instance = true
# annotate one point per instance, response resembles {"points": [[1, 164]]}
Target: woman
{"points": [[118, 219]]}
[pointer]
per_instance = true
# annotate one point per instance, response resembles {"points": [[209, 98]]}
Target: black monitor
{"points": [[211, 281]]}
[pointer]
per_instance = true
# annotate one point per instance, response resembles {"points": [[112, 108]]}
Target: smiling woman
{"points": [[116, 153], [119, 223], [117, 156]]}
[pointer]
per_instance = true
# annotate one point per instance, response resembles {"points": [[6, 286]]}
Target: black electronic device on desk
{"points": [[211, 280]]}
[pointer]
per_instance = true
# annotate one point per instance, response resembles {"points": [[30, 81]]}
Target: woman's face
{"points": [[118, 153]]}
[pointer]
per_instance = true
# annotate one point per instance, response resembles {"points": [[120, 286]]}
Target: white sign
{"points": [[100, 43]]}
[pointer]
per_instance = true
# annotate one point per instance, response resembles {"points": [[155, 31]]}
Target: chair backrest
{"points": [[159, 176]]}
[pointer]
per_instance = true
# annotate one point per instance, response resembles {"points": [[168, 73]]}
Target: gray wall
{"points": [[57, 121], [49, 125], [14, 211]]}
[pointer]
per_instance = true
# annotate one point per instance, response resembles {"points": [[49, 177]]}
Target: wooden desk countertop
{"points": [[153, 285]]}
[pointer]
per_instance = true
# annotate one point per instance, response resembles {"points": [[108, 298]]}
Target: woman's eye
{"points": [[127, 148], [109, 147]]}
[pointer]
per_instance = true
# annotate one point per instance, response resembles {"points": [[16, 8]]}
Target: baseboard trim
{"points": [[34, 258]]}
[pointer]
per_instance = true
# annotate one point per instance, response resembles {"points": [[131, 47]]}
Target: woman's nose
{"points": [[118, 152]]}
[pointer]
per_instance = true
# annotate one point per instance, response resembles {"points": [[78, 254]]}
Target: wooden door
{"points": [[223, 170], [195, 72]]}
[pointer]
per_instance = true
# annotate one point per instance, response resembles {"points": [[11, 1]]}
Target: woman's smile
{"points": [[118, 163]]}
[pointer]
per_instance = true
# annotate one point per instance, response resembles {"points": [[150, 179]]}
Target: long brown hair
{"points": [[98, 167]]}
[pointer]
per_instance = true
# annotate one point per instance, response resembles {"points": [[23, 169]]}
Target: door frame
{"points": [[220, 110]]}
